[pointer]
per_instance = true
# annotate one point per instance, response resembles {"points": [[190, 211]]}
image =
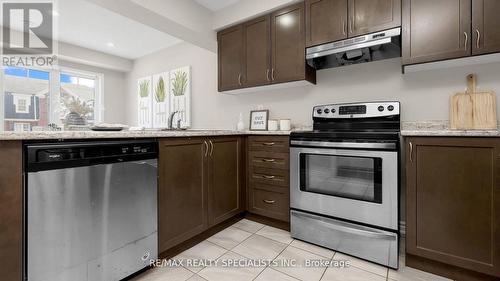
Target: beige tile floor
{"points": [[247, 240]]}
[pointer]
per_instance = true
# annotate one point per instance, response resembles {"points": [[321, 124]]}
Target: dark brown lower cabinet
{"points": [[200, 185], [453, 206], [226, 179], [11, 225], [182, 191]]}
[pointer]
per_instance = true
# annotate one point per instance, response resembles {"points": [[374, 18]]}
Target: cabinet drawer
{"points": [[268, 143], [266, 201], [269, 176], [273, 160]]}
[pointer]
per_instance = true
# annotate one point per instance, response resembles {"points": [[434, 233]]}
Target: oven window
{"points": [[358, 178]]}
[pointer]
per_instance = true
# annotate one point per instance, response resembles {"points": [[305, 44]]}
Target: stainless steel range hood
{"points": [[371, 47]]}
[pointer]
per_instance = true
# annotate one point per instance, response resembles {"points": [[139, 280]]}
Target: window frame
{"points": [[54, 92]]}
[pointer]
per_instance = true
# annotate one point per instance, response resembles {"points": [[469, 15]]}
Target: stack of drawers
{"points": [[269, 176]]}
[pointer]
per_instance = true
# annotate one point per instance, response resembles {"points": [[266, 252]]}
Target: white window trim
{"points": [[2, 98], [20, 97], [22, 124]]}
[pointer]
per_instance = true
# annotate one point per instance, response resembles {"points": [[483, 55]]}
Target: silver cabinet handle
{"points": [[239, 79], [206, 148], [211, 148], [351, 22], [343, 27], [478, 38], [269, 201], [269, 143], [466, 40], [411, 152], [269, 160], [267, 75], [272, 74], [268, 177]]}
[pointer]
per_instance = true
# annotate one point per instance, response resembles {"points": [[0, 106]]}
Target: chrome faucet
{"points": [[171, 120]]}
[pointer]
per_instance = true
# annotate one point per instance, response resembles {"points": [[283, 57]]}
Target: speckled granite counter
{"points": [[441, 129], [46, 135]]}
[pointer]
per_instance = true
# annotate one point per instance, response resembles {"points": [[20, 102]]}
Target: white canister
{"points": [[285, 125], [272, 125]]}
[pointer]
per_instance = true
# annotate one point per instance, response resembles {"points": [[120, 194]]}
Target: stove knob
{"points": [[319, 111], [381, 108], [327, 110], [390, 107], [333, 110]]}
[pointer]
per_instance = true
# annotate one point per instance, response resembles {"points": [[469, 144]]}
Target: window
{"points": [[26, 98], [35, 97], [21, 105], [78, 95], [22, 127]]}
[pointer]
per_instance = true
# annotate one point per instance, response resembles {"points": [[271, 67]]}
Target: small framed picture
{"points": [[258, 120]]}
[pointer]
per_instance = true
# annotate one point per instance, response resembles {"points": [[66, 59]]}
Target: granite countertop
{"points": [[441, 129], [45, 135]]}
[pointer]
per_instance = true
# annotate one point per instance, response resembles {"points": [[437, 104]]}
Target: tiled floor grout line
{"points": [[322, 275], [287, 245]]}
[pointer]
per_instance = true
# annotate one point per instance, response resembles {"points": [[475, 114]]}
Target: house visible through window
{"points": [[22, 127], [35, 97]]}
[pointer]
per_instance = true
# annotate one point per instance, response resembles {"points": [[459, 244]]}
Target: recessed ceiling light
{"points": [[110, 44]]}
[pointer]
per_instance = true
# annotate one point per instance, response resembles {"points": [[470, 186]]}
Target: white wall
{"points": [[424, 95]]}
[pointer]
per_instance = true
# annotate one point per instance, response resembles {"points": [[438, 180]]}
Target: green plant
{"points": [[144, 88], [179, 83], [160, 90]]}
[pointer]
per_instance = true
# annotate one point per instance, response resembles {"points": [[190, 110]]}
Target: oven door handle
{"points": [[367, 145], [351, 230]]}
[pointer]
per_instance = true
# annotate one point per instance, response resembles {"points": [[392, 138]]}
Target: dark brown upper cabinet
{"points": [[326, 21], [436, 30], [226, 179], [288, 45], [230, 58], [485, 26], [367, 16], [263, 51], [257, 52], [453, 204]]}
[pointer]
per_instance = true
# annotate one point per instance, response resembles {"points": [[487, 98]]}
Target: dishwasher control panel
{"points": [[88, 153]]}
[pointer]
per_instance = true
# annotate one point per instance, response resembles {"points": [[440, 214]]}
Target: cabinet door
{"points": [[11, 210], [436, 30], [453, 202], [182, 191], [257, 46], [288, 44], [326, 21], [367, 16], [230, 58], [485, 26], [226, 194]]}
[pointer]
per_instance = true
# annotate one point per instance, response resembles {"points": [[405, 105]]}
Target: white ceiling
{"points": [[86, 25], [216, 5]]}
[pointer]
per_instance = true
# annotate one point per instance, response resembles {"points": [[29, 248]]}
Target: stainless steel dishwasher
{"points": [[91, 209]]}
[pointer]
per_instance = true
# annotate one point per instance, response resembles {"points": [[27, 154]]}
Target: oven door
{"points": [[356, 185]]}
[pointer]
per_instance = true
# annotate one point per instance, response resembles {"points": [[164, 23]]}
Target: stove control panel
{"points": [[357, 110]]}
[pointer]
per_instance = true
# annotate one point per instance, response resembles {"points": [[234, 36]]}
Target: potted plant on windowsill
{"points": [[78, 111]]}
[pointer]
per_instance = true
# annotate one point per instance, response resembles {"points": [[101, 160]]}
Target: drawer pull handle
{"points": [[269, 201], [268, 143], [268, 177], [269, 160]]}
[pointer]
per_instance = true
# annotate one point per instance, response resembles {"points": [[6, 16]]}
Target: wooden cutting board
{"points": [[473, 110]]}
